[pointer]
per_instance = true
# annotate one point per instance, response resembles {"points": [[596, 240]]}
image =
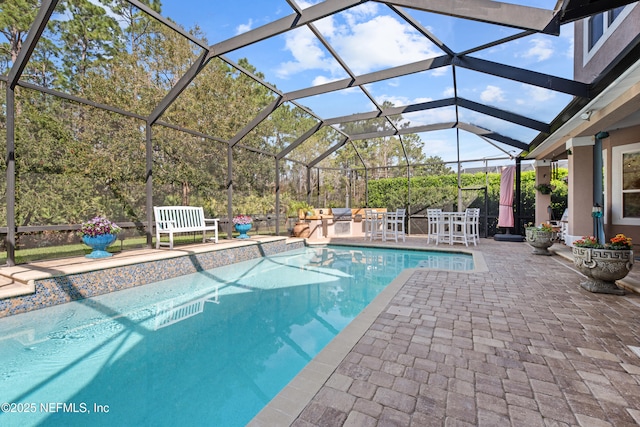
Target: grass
{"points": [[80, 249], [25, 255]]}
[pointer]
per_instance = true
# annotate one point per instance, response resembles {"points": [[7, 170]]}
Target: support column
{"points": [[277, 181], [10, 160], [543, 201], [148, 185], [580, 188], [229, 191]]}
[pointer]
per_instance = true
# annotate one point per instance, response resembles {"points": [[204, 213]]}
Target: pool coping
{"points": [[289, 403]]}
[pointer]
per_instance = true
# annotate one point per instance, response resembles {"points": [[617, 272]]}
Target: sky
{"points": [[372, 37]]}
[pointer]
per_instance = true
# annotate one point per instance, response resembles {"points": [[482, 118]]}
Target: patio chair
{"points": [[368, 223], [459, 229], [395, 224], [443, 227], [473, 220], [432, 224]]}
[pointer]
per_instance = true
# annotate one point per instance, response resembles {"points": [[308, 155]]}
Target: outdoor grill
{"points": [[341, 221], [341, 214]]}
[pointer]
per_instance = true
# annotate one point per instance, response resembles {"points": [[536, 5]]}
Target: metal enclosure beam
{"points": [[178, 88], [578, 9], [39, 24], [306, 16], [149, 183], [277, 182], [376, 76], [299, 141], [256, 121], [493, 12], [504, 115], [324, 155], [521, 75]]}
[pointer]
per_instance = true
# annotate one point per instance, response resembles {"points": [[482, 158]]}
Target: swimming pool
{"points": [[210, 348]]}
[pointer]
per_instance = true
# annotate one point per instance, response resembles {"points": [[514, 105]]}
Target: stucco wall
{"points": [[624, 34]]}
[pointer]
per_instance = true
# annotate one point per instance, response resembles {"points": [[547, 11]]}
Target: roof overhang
{"points": [[616, 107]]}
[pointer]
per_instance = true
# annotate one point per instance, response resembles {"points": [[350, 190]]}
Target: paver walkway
{"points": [[519, 345]]}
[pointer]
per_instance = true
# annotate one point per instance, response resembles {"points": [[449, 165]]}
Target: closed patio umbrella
{"points": [[505, 213]]}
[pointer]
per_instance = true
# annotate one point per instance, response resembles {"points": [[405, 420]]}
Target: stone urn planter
{"points": [[602, 268], [540, 240], [98, 233], [243, 229], [99, 245], [242, 224]]}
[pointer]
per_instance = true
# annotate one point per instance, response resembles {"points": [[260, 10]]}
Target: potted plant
{"points": [[544, 188], [603, 264], [301, 210], [98, 233], [540, 238], [242, 223]]}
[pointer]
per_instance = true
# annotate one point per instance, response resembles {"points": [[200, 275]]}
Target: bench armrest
{"points": [[213, 220]]}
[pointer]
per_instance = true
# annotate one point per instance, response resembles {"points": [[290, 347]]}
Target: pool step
{"points": [[10, 288]]}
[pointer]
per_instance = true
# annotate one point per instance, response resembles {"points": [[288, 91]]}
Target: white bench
{"points": [[182, 219]]}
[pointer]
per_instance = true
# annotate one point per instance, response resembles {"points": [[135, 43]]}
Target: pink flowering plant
{"points": [[242, 219], [98, 226]]}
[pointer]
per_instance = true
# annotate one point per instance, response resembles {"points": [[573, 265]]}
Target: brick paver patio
{"points": [[519, 345]]}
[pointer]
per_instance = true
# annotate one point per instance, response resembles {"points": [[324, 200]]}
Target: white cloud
{"points": [[539, 94], [448, 92], [540, 50], [365, 44], [320, 80], [439, 72], [492, 94], [243, 28], [380, 42], [307, 53]]}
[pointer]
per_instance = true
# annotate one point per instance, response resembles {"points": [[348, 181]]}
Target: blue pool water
{"points": [[211, 348]]}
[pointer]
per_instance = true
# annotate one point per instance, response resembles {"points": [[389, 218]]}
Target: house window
{"points": [[631, 185], [613, 14], [625, 196], [596, 29], [599, 27]]}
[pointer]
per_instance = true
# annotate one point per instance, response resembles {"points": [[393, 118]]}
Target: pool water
{"points": [[211, 348]]}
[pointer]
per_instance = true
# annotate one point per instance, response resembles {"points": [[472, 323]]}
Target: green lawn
{"points": [[80, 249]]}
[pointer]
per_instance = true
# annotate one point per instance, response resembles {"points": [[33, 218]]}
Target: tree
{"points": [[89, 37], [16, 17]]}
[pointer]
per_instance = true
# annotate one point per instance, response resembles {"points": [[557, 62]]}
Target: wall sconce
{"points": [[586, 115]]}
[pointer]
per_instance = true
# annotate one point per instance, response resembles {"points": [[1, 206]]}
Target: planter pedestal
{"points": [[243, 229], [99, 245], [602, 268]]}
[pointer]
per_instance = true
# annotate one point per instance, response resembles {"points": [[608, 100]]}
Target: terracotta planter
{"points": [[539, 240], [301, 229], [602, 268]]}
